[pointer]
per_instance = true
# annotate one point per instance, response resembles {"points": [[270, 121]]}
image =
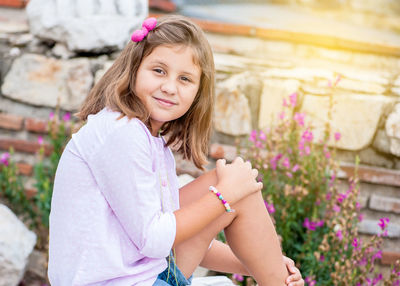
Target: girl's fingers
{"points": [[221, 162], [238, 159], [297, 283], [254, 172], [294, 278]]}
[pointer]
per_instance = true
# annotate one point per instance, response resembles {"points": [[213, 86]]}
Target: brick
{"points": [[30, 192], [389, 257], [23, 146], [372, 174], [25, 169], [386, 204], [369, 226], [220, 151], [36, 125], [217, 151], [11, 122]]}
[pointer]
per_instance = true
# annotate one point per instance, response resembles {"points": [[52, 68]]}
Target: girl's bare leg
{"points": [[249, 232]]}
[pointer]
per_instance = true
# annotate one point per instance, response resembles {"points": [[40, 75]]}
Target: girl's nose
{"points": [[169, 86]]}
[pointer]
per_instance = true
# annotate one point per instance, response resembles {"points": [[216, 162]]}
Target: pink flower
{"points": [[281, 115], [383, 222], [307, 150], [299, 118], [360, 217], [286, 162], [67, 117], [258, 144], [4, 159], [338, 78], [237, 277], [253, 136], [285, 104], [327, 155], [377, 255], [356, 244], [312, 225], [301, 144], [262, 136], [40, 140], [337, 136], [293, 99], [322, 258], [341, 198], [289, 175], [270, 207], [339, 235], [310, 281], [307, 135], [51, 115], [336, 208], [328, 196], [295, 168]]}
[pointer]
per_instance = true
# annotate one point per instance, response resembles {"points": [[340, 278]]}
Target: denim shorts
{"points": [[172, 275]]}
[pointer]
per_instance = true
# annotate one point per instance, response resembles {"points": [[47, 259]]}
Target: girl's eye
{"points": [[160, 71], [184, 78]]}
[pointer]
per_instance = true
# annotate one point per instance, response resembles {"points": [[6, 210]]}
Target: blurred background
{"points": [[341, 58]]}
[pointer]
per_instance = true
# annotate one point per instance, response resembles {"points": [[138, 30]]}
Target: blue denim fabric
{"points": [[172, 275]]}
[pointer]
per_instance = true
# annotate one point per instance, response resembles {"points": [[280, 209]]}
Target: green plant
{"points": [[315, 218], [45, 169]]}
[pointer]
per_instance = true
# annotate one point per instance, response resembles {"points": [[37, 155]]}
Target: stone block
{"points": [[41, 81], [369, 226], [392, 128], [223, 151], [16, 244], [355, 116], [11, 121], [369, 156], [361, 86], [80, 25], [274, 91], [371, 174], [390, 257], [386, 204], [381, 141], [300, 73], [236, 104]]}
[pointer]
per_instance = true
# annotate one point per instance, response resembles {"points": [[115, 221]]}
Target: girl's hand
{"points": [[294, 278], [236, 180]]}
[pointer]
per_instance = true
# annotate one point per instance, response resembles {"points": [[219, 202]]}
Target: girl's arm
{"points": [[221, 258], [235, 181]]}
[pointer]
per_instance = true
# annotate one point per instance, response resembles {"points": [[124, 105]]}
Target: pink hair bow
{"points": [[148, 25]]}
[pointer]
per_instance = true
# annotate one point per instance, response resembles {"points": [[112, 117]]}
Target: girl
{"points": [[118, 217]]}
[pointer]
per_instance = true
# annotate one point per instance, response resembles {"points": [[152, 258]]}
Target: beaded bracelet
{"points": [[225, 203]]}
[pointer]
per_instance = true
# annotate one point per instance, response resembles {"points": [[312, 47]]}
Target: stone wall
{"points": [[253, 76]]}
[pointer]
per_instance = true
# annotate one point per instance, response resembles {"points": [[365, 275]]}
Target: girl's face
{"points": [[167, 82]]}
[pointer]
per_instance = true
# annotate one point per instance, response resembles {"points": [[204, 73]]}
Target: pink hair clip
{"points": [[148, 25]]}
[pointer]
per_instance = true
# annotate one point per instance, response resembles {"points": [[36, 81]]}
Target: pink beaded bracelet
{"points": [[225, 203]]}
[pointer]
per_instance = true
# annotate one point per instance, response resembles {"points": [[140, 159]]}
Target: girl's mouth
{"points": [[165, 102]]}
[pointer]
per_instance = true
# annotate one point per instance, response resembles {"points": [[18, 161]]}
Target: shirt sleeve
{"points": [[122, 168]]}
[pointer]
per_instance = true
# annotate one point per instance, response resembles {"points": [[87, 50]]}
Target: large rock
{"points": [[16, 243], [88, 25], [236, 106], [355, 116], [393, 130], [42, 81], [274, 91]]}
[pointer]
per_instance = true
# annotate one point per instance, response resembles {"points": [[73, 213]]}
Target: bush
{"points": [[35, 211], [316, 221]]}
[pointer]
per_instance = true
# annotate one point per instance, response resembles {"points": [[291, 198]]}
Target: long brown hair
{"points": [[115, 89]]}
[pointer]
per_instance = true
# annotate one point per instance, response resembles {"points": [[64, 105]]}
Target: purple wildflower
{"points": [[383, 222], [51, 115], [293, 99], [253, 136], [262, 136], [67, 117], [337, 136], [4, 158], [237, 277], [286, 162], [295, 168], [299, 118], [339, 235], [270, 207], [307, 135], [40, 140]]}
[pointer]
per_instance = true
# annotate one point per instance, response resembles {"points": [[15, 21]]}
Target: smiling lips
{"points": [[165, 102]]}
